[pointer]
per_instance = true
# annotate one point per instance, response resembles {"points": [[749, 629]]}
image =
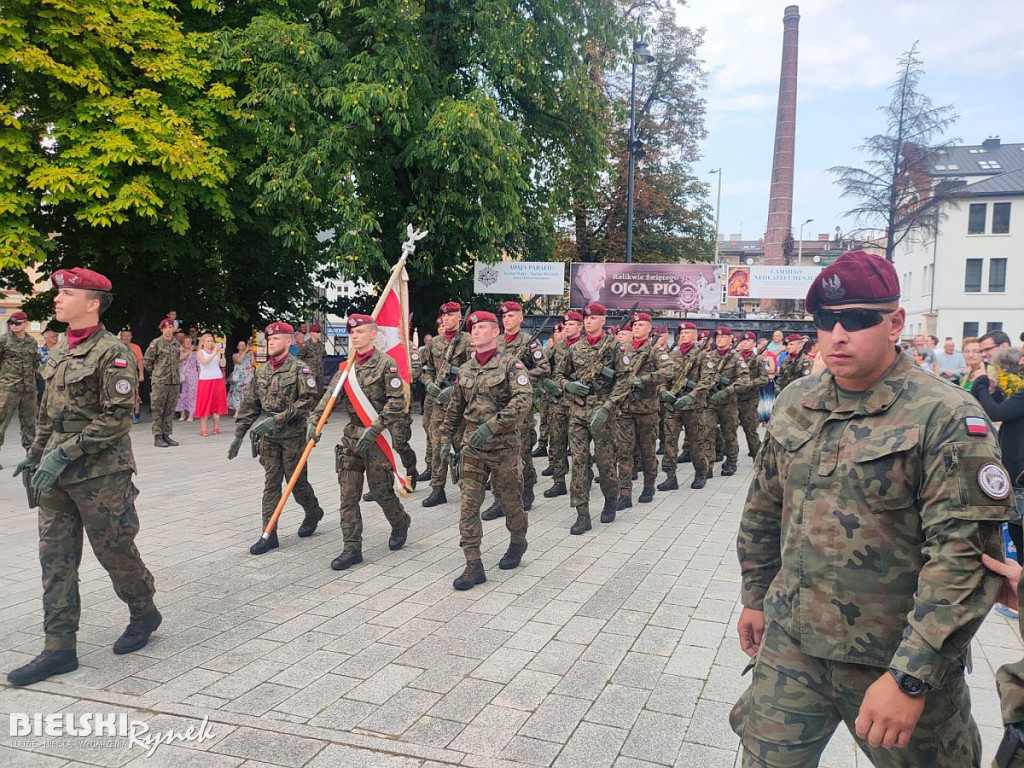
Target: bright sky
{"points": [[973, 59]]}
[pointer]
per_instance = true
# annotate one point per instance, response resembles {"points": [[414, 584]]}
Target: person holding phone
{"points": [[211, 394]]}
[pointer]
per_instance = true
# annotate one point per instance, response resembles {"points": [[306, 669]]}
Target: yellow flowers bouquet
{"points": [[1010, 383]]}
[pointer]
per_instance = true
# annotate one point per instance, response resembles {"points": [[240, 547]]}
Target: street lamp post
{"points": [[718, 208], [641, 55], [800, 243]]}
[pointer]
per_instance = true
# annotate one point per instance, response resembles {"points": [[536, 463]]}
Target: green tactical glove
{"points": [[690, 384], [481, 436], [311, 432], [637, 383], [433, 390], [445, 395], [233, 450], [26, 465], [608, 373], [50, 468], [666, 396], [263, 427], [600, 418], [444, 450], [367, 439], [719, 397], [683, 402], [577, 388], [551, 387], [725, 381]]}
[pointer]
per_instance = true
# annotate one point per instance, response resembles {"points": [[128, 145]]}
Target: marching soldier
{"points": [[161, 363], [313, 353], [748, 395], [543, 400], [83, 463], [358, 452], [558, 407], [19, 362], [448, 351], [427, 406], [592, 376], [513, 342], [796, 365], [638, 417], [731, 375], [281, 395], [492, 397]]}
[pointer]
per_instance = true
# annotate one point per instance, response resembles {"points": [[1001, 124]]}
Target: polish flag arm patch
{"points": [[976, 426]]}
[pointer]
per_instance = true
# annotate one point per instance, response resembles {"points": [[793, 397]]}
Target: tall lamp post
{"points": [[718, 208], [641, 55], [800, 243]]}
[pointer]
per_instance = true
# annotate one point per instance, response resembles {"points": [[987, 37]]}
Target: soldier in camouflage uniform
{"points": [[439, 373], [313, 353], [161, 363], [276, 405], [83, 464], [748, 395], [731, 375], [637, 424], [558, 407], [543, 401], [492, 397], [19, 362], [795, 366], [358, 452], [876, 492], [593, 377]]}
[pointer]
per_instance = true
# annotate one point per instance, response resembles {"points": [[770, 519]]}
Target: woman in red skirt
{"points": [[212, 396]]}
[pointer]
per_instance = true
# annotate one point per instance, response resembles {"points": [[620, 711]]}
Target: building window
{"points": [[976, 219], [997, 276], [989, 327], [972, 281], [970, 329], [1001, 219], [926, 282], [989, 165]]}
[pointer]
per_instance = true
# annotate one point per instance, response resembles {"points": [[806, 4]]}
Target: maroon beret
{"points": [[354, 321], [450, 306], [510, 306], [438, 322], [480, 317], [595, 310], [704, 334], [19, 315], [794, 337], [275, 328], [628, 327], [85, 279], [857, 277], [165, 322], [572, 314], [641, 316], [723, 330], [749, 335], [316, 328], [686, 325], [559, 326]]}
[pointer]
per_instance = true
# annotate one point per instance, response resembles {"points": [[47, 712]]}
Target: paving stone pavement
{"points": [[615, 648]]}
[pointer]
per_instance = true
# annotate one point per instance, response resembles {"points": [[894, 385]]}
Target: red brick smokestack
{"points": [[780, 204]]}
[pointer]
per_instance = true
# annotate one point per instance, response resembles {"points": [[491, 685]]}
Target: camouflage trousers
{"points": [[23, 404], [401, 434], [728, 417], [749, 422], [428, 409], [542, 409], [506, 483], [558, 441], [162, 399], [438, 468], [351, 466], [527, 437], [580, 436], [104, 507], [698, 425], [637, 431], [795, 702], [279, 459]]}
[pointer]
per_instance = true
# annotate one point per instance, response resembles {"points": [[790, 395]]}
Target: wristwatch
{"points": [[910, 685]]}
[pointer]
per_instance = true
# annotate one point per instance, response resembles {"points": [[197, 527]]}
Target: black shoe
{"points": [[413, 477], [264, 545], [437, 496], [528, 498], [473, 575], [487, 485], [661, 450], [347, 559], [558, 489], [159, 442], [367, 496], [46, 664], [648, 494], [172, 443], [684, 457], [752, 454], [513, 556], [719, 457], [399, 535], [624, 502], [309, 523], [548, 472], [493, 512], [699, 481], [636, 474], [539, 451], [608, 513], [424, 476], [136, 634], [728, 469], [582, 524], [670, 484]]}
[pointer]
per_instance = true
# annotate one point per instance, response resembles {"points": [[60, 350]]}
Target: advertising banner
{"points": [[665, 287], [770, 282], [532, 277]]}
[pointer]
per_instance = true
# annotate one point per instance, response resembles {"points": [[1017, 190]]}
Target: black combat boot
{"points": [[347, 559], [437, 496], [309, 523], [558, 489], [719, 457], [623, 502], [661, 449], [582, 524], [610, 505], [46, 664], [473, 575], [487, 485], [548, 472], [648, 493], [424, 475], [670, 484], [539, 451], [684, 457], [136, 634], [367, 496], [513, 556], [728, 469], [528, 498], [493, 512], [265, 544], [710, 473], [699, 481], [399, 535], [636, 474], [159, 442], [172, 443]]}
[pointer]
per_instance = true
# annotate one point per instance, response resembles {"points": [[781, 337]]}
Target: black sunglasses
{"points": [[856, 319], [16, 322]]}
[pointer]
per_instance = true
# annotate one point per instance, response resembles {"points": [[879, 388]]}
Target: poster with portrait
{"points": [[775, 281], [663, 287]]}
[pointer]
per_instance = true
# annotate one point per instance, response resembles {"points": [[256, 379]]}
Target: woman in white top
{"points": [[211, 397]]}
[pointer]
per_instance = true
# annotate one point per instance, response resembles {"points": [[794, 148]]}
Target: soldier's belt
{"points": [[68, 426]]}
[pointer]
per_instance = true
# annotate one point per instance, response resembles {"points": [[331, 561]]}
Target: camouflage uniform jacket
{"points": [[288, 394], [729, 366], [683, 369], [87, 407], [19, 361], [434, 366], [161, 361], [864, 525], [380, 381], [643, 364], [528, 353], [583, 362], [550, 353], [497, 393], [313, 354], [757, 367], [793, 368], [416, 363]]}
